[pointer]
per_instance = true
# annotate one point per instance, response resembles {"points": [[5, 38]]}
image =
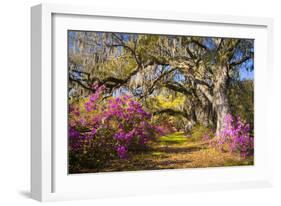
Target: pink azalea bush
{"points": [[236, 137], [100, 130]]}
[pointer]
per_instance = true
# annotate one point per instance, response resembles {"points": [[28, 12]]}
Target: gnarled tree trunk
{"points": [[220, 99]]}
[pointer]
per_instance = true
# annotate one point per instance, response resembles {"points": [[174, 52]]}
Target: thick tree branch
{"points": [[231, 49], [199, 44], [178, 88], [198, 81], [206, 92], [220, 45], [172, 112], [123, 44], [79, 82], [241, 61]]}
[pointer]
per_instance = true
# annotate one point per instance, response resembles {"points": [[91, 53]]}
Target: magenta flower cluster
{"points": [[236, 136], [116, 125], [131, 123], [91, 104]]}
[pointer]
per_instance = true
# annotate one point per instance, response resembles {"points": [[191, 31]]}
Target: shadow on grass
{"points": [[147, 165], [177, 150], [172, 162], [243, 162]]}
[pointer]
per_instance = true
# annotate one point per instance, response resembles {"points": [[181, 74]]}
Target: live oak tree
{"points": [[207, 65], [200, 68]]}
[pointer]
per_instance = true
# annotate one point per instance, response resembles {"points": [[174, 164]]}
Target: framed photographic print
{"points": [[137, 102]]}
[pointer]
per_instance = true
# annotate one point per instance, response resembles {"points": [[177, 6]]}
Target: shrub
{"points": [[100, 130], [235, 137]]}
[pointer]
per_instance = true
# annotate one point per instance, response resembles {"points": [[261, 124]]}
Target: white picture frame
{"points": [[49, 179]]}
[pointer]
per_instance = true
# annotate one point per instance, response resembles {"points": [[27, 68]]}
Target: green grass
{"points": [[157, 153], [175, 138]]}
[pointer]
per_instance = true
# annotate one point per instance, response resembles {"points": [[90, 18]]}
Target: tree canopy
{"points": [[201, 76]]}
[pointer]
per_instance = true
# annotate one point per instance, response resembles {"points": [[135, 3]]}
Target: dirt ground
{"points": [[174, 151]]}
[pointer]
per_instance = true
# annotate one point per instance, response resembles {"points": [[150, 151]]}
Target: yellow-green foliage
{"points": [[118, 67], [199, 131], [170, 101]]}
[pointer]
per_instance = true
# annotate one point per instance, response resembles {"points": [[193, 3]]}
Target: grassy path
{"points": [[176, 151]]}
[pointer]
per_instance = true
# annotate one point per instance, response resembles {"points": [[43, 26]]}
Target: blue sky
{"points": [[244, 74], [247, 70]]}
